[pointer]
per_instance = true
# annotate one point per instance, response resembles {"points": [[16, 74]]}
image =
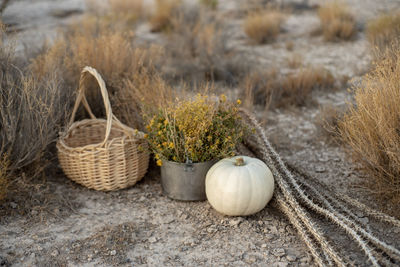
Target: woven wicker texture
{"points": [[101, 154]]}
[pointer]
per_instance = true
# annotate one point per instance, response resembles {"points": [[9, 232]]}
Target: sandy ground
{"points": [[139, 226]]}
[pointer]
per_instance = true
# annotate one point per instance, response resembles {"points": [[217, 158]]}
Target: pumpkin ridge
{"points": [[249, 203]]}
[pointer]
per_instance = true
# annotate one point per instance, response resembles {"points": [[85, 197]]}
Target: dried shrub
{"points": [[295, 61], [199, 129], [160, 20], [327, 121], [143, 92], [31, 111], [128, 10], [197, 46], [272, 90], [4, 163], [263, 26], [113, 53], [289, 45], [259, 87], [121, 13], [371, 127], [297, 87], [337, 21], [213, 4], [383, 32]]}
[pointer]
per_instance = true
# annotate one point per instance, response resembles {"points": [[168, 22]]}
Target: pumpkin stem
{"points": [[239, 161]]}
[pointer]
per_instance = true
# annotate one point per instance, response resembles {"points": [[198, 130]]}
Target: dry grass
{"points": [[260, 87], [130, 10], [263, 26], [327, 121], [295, 61], [31, 111], [160, 20], [4, 163], [289, 45], [144, 92], [213, 4], [119, 14], [337, 21], [371, 127], [197, 46], [271, 90], [383, 32], [296, 88], [113, 53]]}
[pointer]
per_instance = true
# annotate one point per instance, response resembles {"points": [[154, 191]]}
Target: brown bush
{"points": [[371, 127], [337, 21], [272, 90], [3, 177], [143, 92], [160, 20], [130, 10], [295, 61], [213, 4], [327, 121], [197, 46], [383, 32], [113, 53], [118, 13], [260, 87], [289, 45], [31, 111], [297, 87], [263, 26]]}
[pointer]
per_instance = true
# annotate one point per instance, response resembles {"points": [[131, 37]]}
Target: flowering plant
{"points": [[199, 130]]}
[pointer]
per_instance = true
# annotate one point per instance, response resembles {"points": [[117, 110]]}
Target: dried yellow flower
{"points": [[222, 98], [200, 129]]}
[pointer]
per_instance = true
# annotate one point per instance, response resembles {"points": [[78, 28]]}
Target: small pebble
{"points": [[280, 264], [278, 252], [273, 229], [364, 220], [54, 253], [291, 257], [152, 239], [113, 252], [236, 221], [304, 260]]}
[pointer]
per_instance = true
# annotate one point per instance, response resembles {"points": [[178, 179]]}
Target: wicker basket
{"points": [[101, 154]]}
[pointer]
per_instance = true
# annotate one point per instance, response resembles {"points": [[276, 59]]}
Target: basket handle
{"points": [[82, 98]]}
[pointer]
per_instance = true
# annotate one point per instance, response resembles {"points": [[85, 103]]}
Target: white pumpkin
{"points": [[239, 186]]}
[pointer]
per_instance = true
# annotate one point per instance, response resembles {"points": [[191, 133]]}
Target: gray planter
{"points": [[183, 181]]}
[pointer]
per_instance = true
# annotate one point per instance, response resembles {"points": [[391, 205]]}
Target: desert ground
{"points": [[64, 224]]}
